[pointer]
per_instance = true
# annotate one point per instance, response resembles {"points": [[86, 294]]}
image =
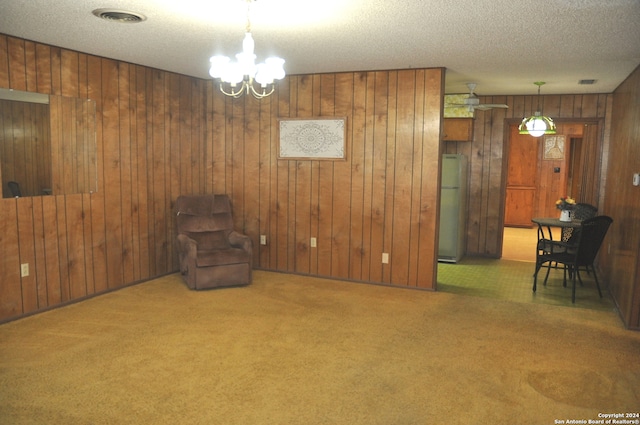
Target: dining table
{"points": [[547, 223]]}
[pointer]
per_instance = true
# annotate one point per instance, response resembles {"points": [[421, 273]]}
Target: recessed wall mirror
{"points": [[47, 144]]}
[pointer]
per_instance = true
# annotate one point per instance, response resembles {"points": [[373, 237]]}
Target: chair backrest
{"points": [[584, 211], [203, 213], [592, 234], [580, 212], [14, 187]]}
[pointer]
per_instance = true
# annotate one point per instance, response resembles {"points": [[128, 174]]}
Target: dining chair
{"points": [[581, 211], [544, 244], [575, 256]]}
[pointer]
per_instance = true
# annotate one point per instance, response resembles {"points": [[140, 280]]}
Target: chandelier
{"points": [[537, 124], [244, 75]]}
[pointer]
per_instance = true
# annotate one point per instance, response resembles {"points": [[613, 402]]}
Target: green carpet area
{"points": [[513, 281]]}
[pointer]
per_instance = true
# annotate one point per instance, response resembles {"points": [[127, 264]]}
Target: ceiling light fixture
{"points": [[537, 124], [241, 76]]}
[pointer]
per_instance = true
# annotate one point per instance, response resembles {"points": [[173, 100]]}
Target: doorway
{"points": [[540, 171]]}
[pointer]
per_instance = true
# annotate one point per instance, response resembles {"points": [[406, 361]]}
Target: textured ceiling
{"points": [[502, 45]]}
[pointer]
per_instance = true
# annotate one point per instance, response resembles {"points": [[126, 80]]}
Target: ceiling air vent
{"points": [[119, 16], [587, 82]]}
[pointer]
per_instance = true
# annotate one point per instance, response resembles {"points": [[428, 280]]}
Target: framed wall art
{"points": [[553, 147], [312, 138]]}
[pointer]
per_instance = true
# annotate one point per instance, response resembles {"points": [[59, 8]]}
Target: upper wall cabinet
{"points": [[458, 130]]}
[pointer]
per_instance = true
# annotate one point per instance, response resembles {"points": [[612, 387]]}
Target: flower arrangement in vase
{"points": [[565, 205]]}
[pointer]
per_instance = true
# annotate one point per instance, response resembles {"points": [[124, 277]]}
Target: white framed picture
{"points": [[554, 147], [312, 138]]}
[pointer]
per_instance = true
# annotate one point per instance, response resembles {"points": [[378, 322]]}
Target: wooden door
{"points": [[521, 179]]}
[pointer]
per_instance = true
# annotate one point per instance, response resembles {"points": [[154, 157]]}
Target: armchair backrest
{"points": [[204, 213], [592, 235]]}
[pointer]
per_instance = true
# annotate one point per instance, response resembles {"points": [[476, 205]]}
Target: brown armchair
{"points": [[211, 253]]}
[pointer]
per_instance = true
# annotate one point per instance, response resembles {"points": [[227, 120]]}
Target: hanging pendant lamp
{"points": [[537, 124]]}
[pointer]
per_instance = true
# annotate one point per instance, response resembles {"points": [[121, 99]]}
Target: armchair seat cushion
{"points": [[217, 239], [221, 257]]}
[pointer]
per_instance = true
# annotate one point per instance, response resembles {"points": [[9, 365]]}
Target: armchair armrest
{"points": [[185, 243], [238, 240], [187, 252]]}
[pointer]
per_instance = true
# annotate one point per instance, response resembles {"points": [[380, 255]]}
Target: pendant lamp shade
{"points": [[537, 124]]}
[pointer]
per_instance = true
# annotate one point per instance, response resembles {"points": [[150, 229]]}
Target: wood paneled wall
{"points": [[73, 159], [620, 257], [150, 132], [160, 135], [383, 198], [487, 158]]}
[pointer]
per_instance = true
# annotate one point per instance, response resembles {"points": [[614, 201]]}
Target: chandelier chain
{"points": [[248, 25]]}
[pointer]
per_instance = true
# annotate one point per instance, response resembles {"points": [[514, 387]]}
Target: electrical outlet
{"points": [[263, 239], [385, 258], [24, 270], [314, 243]]}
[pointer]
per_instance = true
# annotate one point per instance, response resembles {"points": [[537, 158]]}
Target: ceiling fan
{"points": [[472, 102]]}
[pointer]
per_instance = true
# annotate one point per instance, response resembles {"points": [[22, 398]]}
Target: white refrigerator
{"points": [[453, 208]]}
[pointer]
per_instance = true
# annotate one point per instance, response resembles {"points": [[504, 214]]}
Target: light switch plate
{"points": [[314, 243]]}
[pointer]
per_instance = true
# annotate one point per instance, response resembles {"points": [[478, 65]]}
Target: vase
{"points": [[565, 215]]}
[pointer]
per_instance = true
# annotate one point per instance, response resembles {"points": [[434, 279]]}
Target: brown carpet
{"points": [[298, 350]]}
